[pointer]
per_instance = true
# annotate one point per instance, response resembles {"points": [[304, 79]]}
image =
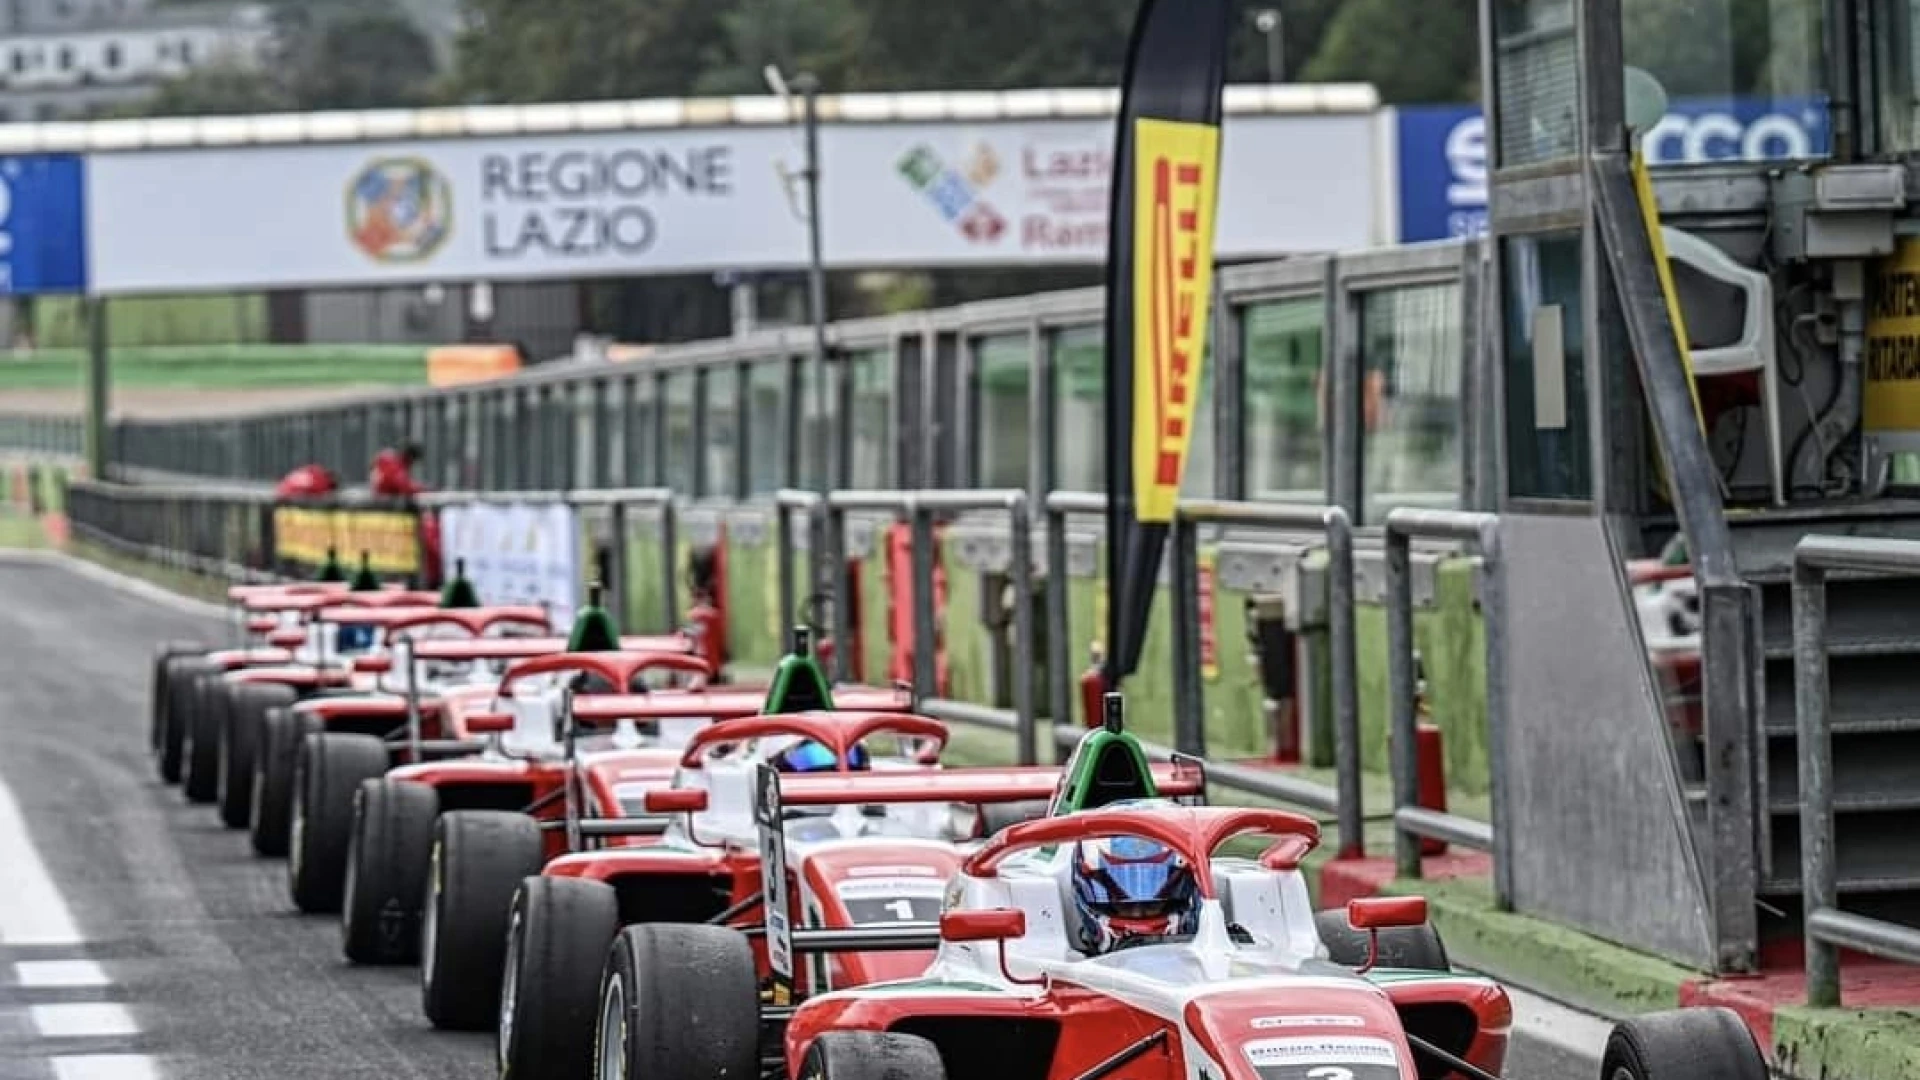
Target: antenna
{"points": [[593, 594], [1113, 713], [802, 641]]}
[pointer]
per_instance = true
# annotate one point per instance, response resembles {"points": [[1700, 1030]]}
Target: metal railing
{"points": [[216, 530], [1189, 693], [918, 509], [1412, 822], [1827, 928]]}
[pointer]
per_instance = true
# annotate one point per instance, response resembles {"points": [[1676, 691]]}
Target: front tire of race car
{"points": [[247, 708], [1694, 1044], [558, 934], [201, 778], [183, 700], [1414, 948], [479, 858], [269, 819], [871, 1055], [387, 871], [328, 768], [163, 665], [678, 1001]]}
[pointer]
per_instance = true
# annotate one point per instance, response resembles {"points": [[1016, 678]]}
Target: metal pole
{"points": [[1059, 678], [783, 552], [617, 562], [1819, 889], [833, 541], [926, 674], [97, 376], [1493, 607], [1402, 749], [669, 558], [1020, 519], [1346, 682], [1189, 703]]}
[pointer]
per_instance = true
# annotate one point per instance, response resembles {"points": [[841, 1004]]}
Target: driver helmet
{"points": [[1129, 887], [809, 756]]}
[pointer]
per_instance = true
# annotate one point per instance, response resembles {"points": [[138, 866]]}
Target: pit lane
{"points": [[139, 939]]}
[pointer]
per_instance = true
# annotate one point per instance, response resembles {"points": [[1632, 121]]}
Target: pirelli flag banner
{"points": [[391, 539], [1159, 287], [1891, 402]]}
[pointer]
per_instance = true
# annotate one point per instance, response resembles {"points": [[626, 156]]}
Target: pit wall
{"points": [[1450, 635]]}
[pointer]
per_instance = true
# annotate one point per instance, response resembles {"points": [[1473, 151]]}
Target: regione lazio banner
{"points": [[43, 245], [517, 554], [685, 200], [1444, 156]]}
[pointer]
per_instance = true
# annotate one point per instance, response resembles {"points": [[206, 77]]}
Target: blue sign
{"points": [[43, 229], [1444, 156]]}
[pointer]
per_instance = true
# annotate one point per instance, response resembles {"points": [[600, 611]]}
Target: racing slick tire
{"points": [[387, 871], [997, 816], [558, 934], [269, 818], [1690, 1044], [200, 776], [479, 858], [1415, 948], [327, 770], [163, 664], [678, 1001], [247, 707], [872, 1055], [183, 700]]}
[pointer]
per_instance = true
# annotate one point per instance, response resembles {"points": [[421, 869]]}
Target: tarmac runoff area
{"points": [[139, 939]]}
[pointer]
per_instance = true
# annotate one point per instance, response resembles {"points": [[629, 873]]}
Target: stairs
{"points": [[1874, 679]]}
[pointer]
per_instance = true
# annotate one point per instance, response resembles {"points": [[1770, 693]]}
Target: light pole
{"points": [[1269, 22], [809, 88]]}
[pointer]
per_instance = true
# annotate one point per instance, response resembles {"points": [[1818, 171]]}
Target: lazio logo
{"points": [[399, 210]]}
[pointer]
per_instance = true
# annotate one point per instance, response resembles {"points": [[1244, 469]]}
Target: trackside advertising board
{"points": [[1444, 157], [390, 538], [518, 554], [43, 224], [687, 200]]}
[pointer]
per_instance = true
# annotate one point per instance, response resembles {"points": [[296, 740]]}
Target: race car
{"points": [[1126, 940], [363, 835], [870, 847], [459, 652]]}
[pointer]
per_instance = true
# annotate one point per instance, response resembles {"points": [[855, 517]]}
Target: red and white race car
{"points": [[1248, 989]]}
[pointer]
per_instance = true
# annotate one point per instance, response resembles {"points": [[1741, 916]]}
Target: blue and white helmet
{"points": [[1129, 886]]}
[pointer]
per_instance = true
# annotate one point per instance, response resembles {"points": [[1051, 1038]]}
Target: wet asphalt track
{"points": [[180, 956]]}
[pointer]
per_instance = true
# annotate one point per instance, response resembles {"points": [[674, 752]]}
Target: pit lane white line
{"points": [[126, 583], [32, 911], [105, 1067], [59, 973], [82, 1018]]}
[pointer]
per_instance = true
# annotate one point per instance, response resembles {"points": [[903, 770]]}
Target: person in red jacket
{"points": [[307, 482], [392, 476]]}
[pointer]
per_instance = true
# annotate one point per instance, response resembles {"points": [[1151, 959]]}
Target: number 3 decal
{"points": [[1330, 1072]]}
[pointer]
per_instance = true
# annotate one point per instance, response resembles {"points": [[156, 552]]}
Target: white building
{"points": [[70, 57]]}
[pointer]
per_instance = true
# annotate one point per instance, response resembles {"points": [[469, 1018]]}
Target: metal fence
{"points": [[1827, 928]]}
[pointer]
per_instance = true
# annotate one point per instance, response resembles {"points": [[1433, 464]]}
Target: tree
{"points": [[224, 88], [825, 37], [1422, 52], [365, 60], [574, 50]]}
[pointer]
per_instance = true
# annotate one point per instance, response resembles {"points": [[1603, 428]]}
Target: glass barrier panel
{"points": [[723, 430], [1411, 348], [818, 421], [1744, 80], [1079, 445], [1003, 435], [642, 469], [768, 414], [1284, 354], [872, 421], [679, 419], [1536, 80], [1198, 480], [1548, 451]]}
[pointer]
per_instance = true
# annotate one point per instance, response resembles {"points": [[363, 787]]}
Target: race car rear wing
{"points": [[1027, 783]]}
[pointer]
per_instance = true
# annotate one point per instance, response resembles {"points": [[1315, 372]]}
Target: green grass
{"points": [[155, 320], [18, 531], [222, 367]]}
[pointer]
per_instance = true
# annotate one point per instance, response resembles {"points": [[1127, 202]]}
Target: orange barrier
{"points": [[451, 365]]}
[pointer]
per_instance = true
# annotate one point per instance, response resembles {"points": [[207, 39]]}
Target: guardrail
{"points": [[223, 531], [1411, 822], [1827, 928], [1189, 694]]}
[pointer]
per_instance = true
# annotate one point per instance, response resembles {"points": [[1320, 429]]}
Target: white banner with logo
{"points": [[689, 200], [517, 554]]}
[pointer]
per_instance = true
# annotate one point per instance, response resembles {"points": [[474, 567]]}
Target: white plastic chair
{"points": [[1755, 348]]}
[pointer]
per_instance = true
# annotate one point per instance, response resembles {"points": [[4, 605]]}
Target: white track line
{"points": [[32, 911], [105, 1067], [61, 973], [82, 1018], [126, 583]]}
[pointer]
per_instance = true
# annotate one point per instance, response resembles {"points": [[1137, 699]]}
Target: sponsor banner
{"points": [[517, 554], [390, 538], [43, 247], [1444, 157], [1892, 396], [1324, 1058], [682, 200]]}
